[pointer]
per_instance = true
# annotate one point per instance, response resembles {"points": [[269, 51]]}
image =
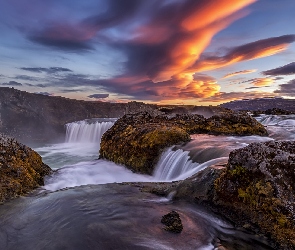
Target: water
{"points": [[66, 215], [111, 216], [77, 164]]}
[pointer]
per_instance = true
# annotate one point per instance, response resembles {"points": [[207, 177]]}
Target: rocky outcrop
{"points": [[21, 169], [34, 117], [255, 190], [137, 140]]}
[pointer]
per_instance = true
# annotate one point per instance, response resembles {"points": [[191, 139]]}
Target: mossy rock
{"points": [[21, 169], [139, 148], [259, 184]]}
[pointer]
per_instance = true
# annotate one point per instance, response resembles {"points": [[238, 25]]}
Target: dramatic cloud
{"points": [[240, 73], [51, 70], [287, 89], [288, 69], [12, 83], [98, 96], [160, 41], [258, 49]]}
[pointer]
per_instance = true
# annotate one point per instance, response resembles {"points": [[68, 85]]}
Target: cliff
{"points": [[34, 117]]}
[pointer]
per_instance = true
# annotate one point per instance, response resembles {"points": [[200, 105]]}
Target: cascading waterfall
{"points": [[86, 132], [177, 165], [277, 120]]}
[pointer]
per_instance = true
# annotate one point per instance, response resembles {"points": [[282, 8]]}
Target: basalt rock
{"points": [[137, 140], [21, 169], [256, 189]]}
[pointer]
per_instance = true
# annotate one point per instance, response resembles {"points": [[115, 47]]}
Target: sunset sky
{"points": [[157, 51]]}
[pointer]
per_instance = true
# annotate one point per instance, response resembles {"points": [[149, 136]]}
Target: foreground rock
{"points": [[255, 190], [137, 140], [172, 222], [21, 169]]}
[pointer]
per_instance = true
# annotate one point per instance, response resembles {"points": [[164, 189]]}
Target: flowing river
{"points": [[72, 212]]}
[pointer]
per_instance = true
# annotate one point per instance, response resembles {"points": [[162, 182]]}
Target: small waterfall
{"points": [[83, 131], [277, 120], [177, 165], [173, 164]]}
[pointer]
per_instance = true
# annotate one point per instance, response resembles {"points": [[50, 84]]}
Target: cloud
{"points": [[98, 96], [262, 82], [51, 70], [63, 36], [26, 78], [223, 97], [12, 83], [288, 69], [44, 93], [249, 51], [287, 89], [239, 73]]}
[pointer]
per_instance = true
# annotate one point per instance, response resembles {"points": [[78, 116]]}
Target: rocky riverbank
{"points": [[21, 169], [137, 140], [255, 190]]}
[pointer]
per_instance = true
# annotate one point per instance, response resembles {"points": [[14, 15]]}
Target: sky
{"points": [[203, 52]]}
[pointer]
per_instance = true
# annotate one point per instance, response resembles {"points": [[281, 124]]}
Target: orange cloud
{"points": [[239, 73], [203, 22], [262, 82], [243, 53]]}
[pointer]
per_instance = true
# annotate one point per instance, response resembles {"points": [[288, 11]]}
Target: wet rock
{"points": [[255, 190], [172, 222], [21, 169]]}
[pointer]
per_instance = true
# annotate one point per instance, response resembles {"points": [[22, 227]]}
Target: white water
{"points": [[77, 162], [84, 131], [277, 120]]}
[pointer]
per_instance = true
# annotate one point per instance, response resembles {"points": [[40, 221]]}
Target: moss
{"points": [[21, 170]]}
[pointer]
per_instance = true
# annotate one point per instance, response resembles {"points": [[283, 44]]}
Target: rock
{"points": [[137, 140], [172, 222], [259, 184], [21, 169], [256, 190]]}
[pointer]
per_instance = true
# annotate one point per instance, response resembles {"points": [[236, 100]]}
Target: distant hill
{"points": [[261, 104], [34, 117]]}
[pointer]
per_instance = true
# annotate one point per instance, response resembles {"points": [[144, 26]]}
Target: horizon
{"points": [[177, 52]]}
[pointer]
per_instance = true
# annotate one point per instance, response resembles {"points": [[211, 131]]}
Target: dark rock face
{"points": [[259, 183], [137, 140], [255, 189], [34, 117], [21, 169], [172, 222]]}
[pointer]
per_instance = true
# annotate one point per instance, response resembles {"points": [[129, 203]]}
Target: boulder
{"points": [[255, 190], [21, 169]]}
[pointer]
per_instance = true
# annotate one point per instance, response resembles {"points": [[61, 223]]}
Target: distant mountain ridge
{"points": [[34, 117], [261, 104]]}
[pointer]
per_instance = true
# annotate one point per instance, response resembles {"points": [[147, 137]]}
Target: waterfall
{"points": [[177, 165], [277, 120], [84, 131]]}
